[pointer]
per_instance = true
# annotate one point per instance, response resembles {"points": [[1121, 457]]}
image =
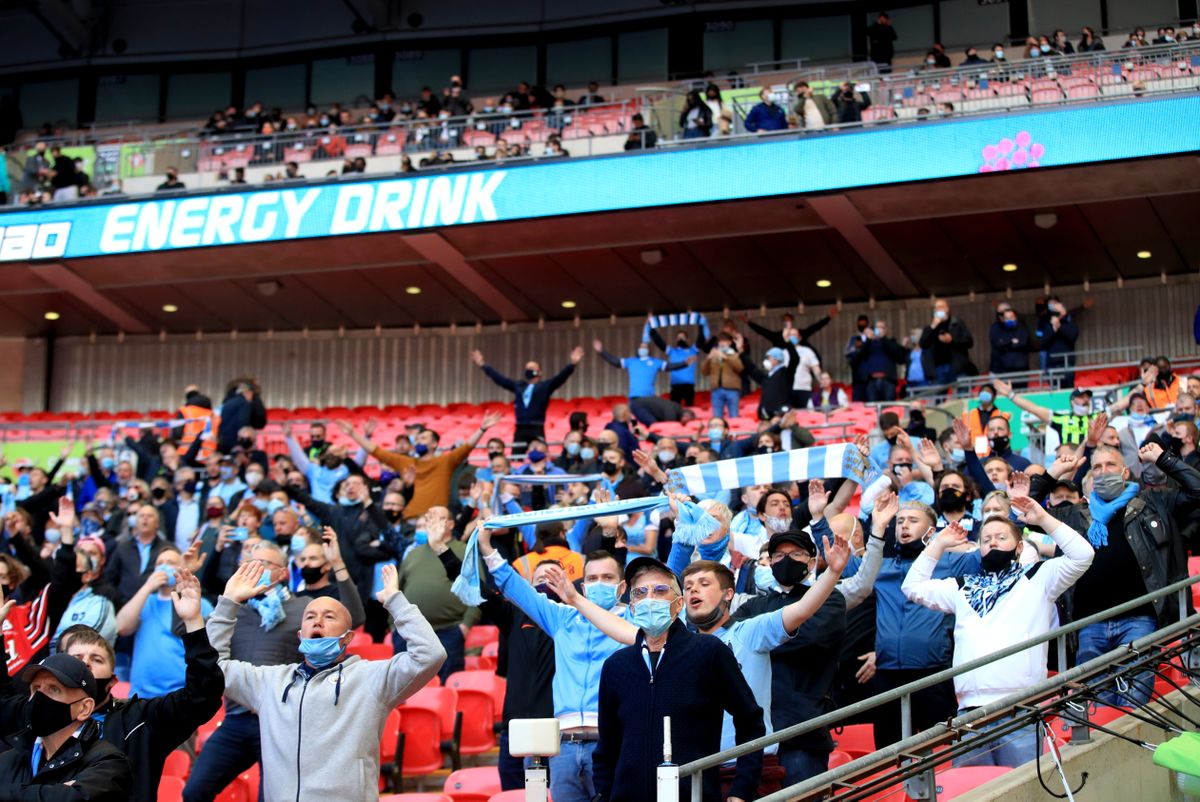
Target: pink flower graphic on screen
{"points": [[1018, 153]]}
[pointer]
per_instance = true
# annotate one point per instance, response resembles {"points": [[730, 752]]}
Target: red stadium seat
{"points": [[434, 797], [421, 730], [372, 651], [481, 635], [478, 733], [178, 764], [837, 758], [514, 796], [855, 740], [486, 681], [121, 690], [170, 789], [390, 744], [477, 784], [444, 703]]}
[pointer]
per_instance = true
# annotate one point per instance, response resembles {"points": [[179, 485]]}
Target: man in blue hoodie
{"points": [[580, 650], [767, 115]]}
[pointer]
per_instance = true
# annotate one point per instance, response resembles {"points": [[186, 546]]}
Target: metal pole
{"points": [[1061, 642], [906, 729]]}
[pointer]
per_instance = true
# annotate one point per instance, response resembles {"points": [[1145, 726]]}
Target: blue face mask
{"points": [[571, 447], [958, 455], [794, 340], [226, 471], [715, 433], [274, 506], [421, 449], [1010, 324], [298, 543], [601, 594], [260, 504], [52, 536], [346, 502], [536, 456], [169, 570], [108, 463], [322, 652], [421, 537], [985, 397], [265, 579], [764, 578], [587, 453], [652, 616], [23, 480]]}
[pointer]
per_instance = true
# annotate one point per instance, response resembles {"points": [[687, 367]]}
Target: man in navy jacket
{"points": [[531, 395], [641, 684]]}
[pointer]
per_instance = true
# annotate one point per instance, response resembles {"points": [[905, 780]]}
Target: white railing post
{"points": [[668, 772]]}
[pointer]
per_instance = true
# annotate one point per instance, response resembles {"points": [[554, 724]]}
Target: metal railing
{"points": [[904, 694]]}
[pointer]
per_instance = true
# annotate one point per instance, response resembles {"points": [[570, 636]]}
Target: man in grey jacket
{"points": [[321, 719]]}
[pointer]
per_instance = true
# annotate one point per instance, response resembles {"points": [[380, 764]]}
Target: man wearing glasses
{"points": [[642, 683]]}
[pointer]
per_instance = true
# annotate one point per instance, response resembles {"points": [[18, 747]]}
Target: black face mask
{"points": [[530, 375], [682, 342], [546, 591], [393, 515], [103, 686], [689, 461], [246, 442], [910, 550], [862, 326], [311, 574], [316, 442], [952, 500], [189, 486], [610, 468], [158, 493], [47, 716], [332, 463], [997, 560], [1000, 444], [789, 572], [766, 449], [709, 621]]}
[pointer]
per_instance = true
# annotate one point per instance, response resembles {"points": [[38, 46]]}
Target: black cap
{"points": [[641, 565], [797, 536], [1079, 392], [68, 670], [1067, 483]]}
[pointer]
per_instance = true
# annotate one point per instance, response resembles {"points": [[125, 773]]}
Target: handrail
{"points": [[895, 694], [912, 743]]}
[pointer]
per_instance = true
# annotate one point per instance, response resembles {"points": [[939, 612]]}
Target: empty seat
{"points": [[477, 784]]}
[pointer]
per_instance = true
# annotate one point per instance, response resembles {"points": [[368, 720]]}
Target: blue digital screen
{"points": [[876, 155]]}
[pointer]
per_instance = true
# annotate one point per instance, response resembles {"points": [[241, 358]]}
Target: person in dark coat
{"points": [[242, 407], [531, 394], [145, 730], [882, 40], [776, 377], [1057, 332], [45, 755], [643, 683], [1010, 342], [945, 346]]}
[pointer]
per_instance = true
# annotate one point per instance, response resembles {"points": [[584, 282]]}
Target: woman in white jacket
{"points": [[1005, 604]]}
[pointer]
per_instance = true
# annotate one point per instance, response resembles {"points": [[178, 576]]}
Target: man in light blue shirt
{"points": [[644, 401]]}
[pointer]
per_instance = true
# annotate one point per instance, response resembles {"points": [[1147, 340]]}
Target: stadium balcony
{"points": [[204, 161]]}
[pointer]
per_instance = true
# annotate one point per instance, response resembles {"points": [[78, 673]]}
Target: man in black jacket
{"points": [[804, 668], [531, 395], [1136, 535], [242, 407], [776, 377], [133, 560], [1010, 342], [45, 754], [945, 346], [148, 730], [643, 683]]}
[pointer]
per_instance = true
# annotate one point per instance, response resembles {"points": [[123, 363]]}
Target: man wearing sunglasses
{"points": [[669, 671]]}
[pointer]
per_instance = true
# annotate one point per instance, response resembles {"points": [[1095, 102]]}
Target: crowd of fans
{"points": [[185, 560]]}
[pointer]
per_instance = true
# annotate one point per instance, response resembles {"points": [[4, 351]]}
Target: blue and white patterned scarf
{"points": [[269, 607], [984, 590]]}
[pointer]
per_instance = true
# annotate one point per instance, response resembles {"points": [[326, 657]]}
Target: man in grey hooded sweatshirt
{"points": [[321, 719]]}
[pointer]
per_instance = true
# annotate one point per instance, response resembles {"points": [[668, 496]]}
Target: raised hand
{"points": [[1018, 485], [331, 547], [837, 554], [597, 346], [647, 463], [491, 419], [1066, 466], [243, 585], [818, 498], [863, 444], [928, 453], [561, 584], [390, 578], [1150, 453], [887, 504], [345, 426], [1031, 513], [287, 430], [369, 427], [1002, 387], [951, 537], [577, 355], [962, 434], [186, 596], [1096, 429], [192, 559], [602, 495], [155, 581], [64, 520], [477, 358]]}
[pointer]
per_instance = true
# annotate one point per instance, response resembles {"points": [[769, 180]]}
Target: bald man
{"points": [[321, 718]]}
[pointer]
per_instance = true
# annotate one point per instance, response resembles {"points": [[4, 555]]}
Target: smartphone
{"points": [[239, 533], [982, 445]]}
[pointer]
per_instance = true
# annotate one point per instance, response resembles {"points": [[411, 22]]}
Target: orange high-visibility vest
{"points": [[197, 420], [975, 423]]}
